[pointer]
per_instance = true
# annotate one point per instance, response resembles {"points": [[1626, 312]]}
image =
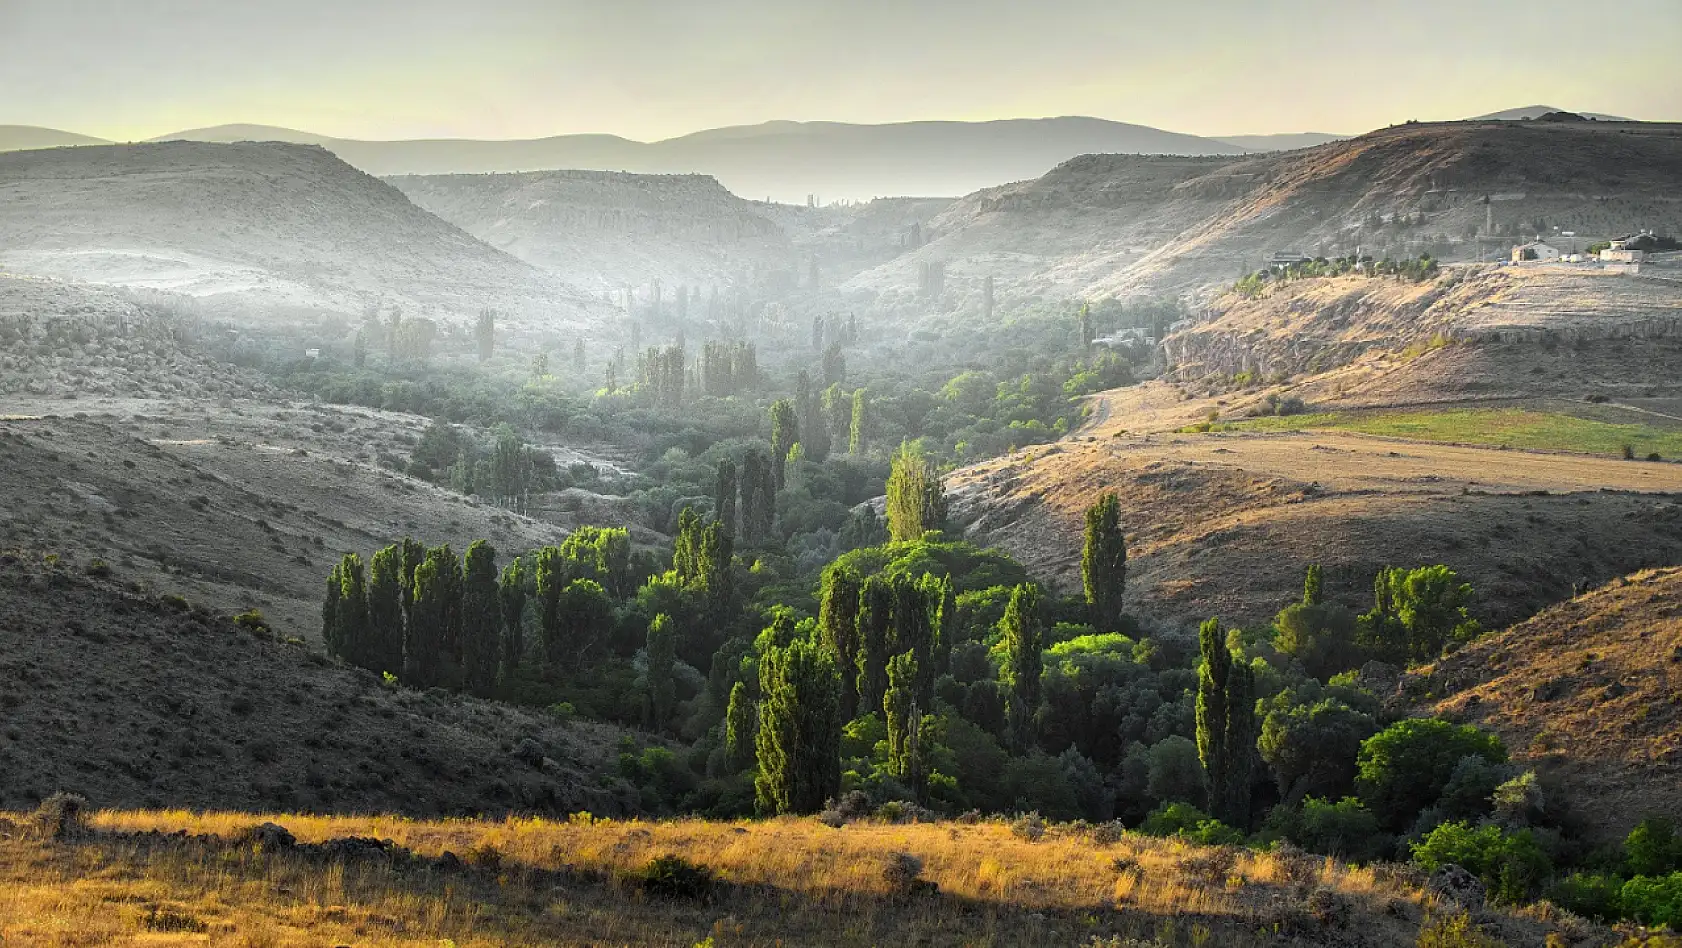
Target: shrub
{"points": [[1028, 826], [1589, 895], [674, 877], [1653, 900], [1512, 865], [1404, 768], [60, 816], [1188, 822], [1652, 848], [1454, 931], [98, 567], [251, 620], [903, 875]]}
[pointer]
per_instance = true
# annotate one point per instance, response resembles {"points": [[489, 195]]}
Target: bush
{"points": [[1653, 900], [1344, 829], [1512, 865], [674, 877], [60, 816], [251, 620], [1652, 848], [1589, 895], [1404, 768], [1454, 931], [903, 875], [1028, 826], [1188, 822]]}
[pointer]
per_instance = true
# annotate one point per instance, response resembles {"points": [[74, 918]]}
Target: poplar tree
{"points": [[662, 690], [798, 745], [875, 638], [741, 721], [814, 430], [1103, 563], [940, 597], [913, 632], [512, 591], [837, 414], [903, 712], [785, 434], [724, 495], [858, 432], [838, 629], [1022, 628], [385, 610], [916, 499], [550, 579], [344, 614], [481, 619], [1226, 726], [414, 553], [435, 617], [1312, 595]]}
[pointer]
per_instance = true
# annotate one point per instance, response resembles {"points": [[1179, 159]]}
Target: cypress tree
{"points": [[838, 629], [916, 500], [858, 431], [940, 597], [875, 638], [662, 691], [1103, 563], [385, 611], [1024, 661], [1226, 726], [414, 553], [724, 495], [904, 714], [785, 434], [549, 579], [344, 613], [1311, 590], [511, 596], [718, 551], [913, 632], [332, 632], [798, 745], [741, 721], [814, 430], [481, 619]]}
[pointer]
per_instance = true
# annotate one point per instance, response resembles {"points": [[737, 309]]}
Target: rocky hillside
{"points": [[1588, 691], [261, 228], [133, 699], [604, 230], [1131, 225]]}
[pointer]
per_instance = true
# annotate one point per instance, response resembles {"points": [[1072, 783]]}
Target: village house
{"points": [[1535, 251]]}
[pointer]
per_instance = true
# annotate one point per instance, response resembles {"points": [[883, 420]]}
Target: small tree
{"points": [[785, 434], [1404, 768], [741, 722], [916, 500], [858, 432], [1103, 563], [904, 715], [1226, 726]]}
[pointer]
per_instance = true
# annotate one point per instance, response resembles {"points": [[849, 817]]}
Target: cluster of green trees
{"points": [[1414, 270]]}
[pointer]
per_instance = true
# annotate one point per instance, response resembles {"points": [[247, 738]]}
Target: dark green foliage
{"points": [[759, 498], [834, 365], [1404, 768], [434, 631], [1312, 747], [1512, 865], [662, 690], [481, 619], [916, 500], [661, 373], [1188, 822], [1022, 630], [1653, 848], [1320, 635], [1103, 563], [1345, 829], [838, 629], [875, 640], [812, 426], [583, 614], [513, 588], [1653, 900], [724, 495], [1226, 725], [674, 877], [1174, 772], [1312, 592], [858, 431], [602, 554], [798, 746], [785, 434], [484, 333], [385, 610], [345, 625], [903, 716]]}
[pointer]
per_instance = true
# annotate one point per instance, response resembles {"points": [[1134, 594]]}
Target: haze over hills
{"points": [[1132, 225], [21, 137], [605, 230], [1537, 111], [279, 229], [1281, 142]]}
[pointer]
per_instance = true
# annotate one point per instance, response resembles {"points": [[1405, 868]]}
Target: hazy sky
{"points": [[129, 69]]}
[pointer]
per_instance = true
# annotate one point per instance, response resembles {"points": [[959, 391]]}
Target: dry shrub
{"points": [[1211, 865], [1029, 826], [60, 816], [903, 874], [1328, 907]]}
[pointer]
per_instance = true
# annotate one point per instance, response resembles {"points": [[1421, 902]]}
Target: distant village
{"points": [[1621, 254]]}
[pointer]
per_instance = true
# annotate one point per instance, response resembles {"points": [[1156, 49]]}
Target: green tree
{"points": [[662, 688], [904, 716], [916, 500], [785, 434], [741, 722], [344, 615], [1312, 747], [724, 495], [1321, 635], [484, 333], [385, 610], [1312, 593], [858, 432], [875, 641], [1226, 726], [481, 619], [434, 631], [582, 612], [838, 628], [799, 741], [1417, 612], [513, 589], [1404, 768], [1103, 563], [1022, 629]]}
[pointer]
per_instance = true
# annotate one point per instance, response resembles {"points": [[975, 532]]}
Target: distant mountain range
{"points": [[784, 161], [1537, 111]]}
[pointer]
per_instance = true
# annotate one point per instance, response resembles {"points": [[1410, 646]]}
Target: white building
{"points": [[1535, 251]]}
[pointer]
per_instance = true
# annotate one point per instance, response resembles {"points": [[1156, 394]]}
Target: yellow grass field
{"points": [[195, 881]]}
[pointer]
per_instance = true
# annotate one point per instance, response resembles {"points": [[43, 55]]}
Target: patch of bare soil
{"points": [[135, 701], [1588, 691], [1226, 524]]}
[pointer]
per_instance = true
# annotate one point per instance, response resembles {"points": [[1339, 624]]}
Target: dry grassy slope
{"points": [[244, 505], [130, 702], [281, 228], [604, 230], [1226, 524], [1119, 224], [1590, 691]]}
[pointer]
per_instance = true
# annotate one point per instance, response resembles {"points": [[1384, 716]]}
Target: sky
{"points": [[651, 69]]}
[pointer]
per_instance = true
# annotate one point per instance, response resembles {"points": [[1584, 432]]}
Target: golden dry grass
{"points": [[786, 881]]}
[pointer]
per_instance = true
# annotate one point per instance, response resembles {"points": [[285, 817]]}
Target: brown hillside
{"points": [[1133, 225], [1590, 691], [131, 701]]}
